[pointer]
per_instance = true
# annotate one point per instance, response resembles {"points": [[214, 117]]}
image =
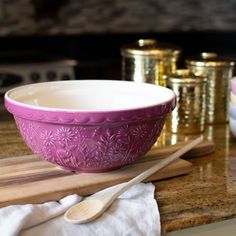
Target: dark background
{"points": [[92, 31], [99, 54]]}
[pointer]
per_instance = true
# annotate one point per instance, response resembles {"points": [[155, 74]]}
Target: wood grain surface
{"points": [[29, 179]]}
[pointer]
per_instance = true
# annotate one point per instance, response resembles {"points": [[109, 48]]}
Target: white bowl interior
{"points": [[90, 95]]}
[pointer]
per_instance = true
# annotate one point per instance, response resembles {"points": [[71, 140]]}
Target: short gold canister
{"points": [[189, 115], [219, 71], [147, 60]]}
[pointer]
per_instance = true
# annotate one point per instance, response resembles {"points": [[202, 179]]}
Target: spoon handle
{"points": [[139, 178]]}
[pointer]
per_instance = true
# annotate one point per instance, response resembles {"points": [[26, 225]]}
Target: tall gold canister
{"points": [[147, 60], [189, 115], [219, 71]]}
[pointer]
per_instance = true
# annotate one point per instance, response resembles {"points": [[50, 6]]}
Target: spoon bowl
{"points": [[86, 211]]}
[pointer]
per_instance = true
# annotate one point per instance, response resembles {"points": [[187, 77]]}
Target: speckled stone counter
{"points": [[206, 195]]}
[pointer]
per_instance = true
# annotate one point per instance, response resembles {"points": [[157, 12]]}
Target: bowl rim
{"points": [[59, 115], [232, 110], [232, 125], [9, 99]]}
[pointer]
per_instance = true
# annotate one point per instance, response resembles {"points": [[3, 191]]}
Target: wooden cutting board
{"points": [[29, 179]]}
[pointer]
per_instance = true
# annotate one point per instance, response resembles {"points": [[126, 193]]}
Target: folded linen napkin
{"points": [[134, 213]]}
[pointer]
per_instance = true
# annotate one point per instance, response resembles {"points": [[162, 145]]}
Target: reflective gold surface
{"points": [[189, 115], [219, 71], [147, 60], [210, 59], [207, 194]]}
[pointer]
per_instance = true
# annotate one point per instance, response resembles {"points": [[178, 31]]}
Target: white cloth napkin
{"points": [[134, 213]]}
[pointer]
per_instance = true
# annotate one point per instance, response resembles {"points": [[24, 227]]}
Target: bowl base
{"points": [[88, 170]]}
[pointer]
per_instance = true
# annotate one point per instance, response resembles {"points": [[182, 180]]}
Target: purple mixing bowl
{"points": [[90, 125]]}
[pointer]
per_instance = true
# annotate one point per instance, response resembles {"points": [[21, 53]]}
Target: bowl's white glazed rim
{"points": [[98, 95]]}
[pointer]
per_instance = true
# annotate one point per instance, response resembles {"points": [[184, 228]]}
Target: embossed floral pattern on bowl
{"points": [[101, 138]]}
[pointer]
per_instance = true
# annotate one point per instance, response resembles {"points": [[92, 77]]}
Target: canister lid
{"points": [[149, 47], [184, 76], [210, 59]]}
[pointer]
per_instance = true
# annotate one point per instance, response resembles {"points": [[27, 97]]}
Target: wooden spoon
{"points": [[93, 207]]}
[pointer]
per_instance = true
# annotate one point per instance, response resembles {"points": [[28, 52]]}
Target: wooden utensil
{"points": [[93, 207]]}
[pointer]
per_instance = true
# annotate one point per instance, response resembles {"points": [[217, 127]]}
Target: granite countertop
{"points": [[206, 195]]}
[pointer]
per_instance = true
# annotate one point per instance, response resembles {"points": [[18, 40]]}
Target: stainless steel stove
{"points": [[20, 68], [23, 68]]}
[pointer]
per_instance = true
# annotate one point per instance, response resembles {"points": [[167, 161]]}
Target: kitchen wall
{"points": [[27, 17]]}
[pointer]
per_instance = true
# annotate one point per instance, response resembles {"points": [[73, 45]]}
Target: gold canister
{"points": [[219, 71], [147, 60], [189, 115]]}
